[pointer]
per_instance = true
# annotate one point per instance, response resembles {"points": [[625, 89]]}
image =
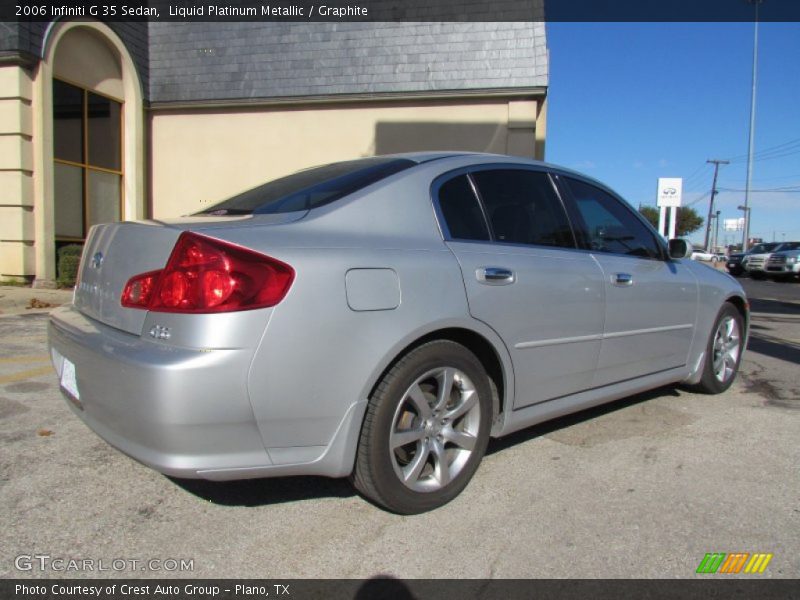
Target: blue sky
{"points": [[632, 102]]}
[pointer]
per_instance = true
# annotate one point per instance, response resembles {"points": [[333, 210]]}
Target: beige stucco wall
{"points": [[199, 157], [16, 171], [85, 59]]}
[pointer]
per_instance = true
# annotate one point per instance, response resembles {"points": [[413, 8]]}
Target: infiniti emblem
{"points": [[97, 260]]}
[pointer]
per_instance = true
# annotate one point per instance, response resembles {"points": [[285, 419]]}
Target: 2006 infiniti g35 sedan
{"points": [[381, 319]]}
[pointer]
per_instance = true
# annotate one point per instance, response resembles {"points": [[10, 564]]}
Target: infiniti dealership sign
{"points": [[669, 191]]}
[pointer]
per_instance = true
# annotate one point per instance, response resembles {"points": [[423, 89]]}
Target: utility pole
{"points": [[716, 230], [751, 134], [716, 164]]}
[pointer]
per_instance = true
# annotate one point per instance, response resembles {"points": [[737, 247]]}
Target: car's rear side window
{"points": [[461, 210], [310, 188], [523, 207]]}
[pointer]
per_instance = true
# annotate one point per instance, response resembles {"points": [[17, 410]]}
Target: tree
{"points": [[688, 219]]}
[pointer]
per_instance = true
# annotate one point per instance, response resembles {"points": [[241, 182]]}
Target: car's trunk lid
{"points": [[115, 252]]}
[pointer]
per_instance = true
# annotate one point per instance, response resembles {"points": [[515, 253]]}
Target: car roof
{"points": [[428, 156], [488, 157]]}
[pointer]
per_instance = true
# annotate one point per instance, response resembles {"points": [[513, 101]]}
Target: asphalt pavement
{"points": [[643, 487]]}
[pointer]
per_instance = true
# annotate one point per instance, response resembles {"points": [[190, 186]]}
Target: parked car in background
{"points": [[735, 263], [785, 263], [380, 319], [705, 255], [756, 263]]}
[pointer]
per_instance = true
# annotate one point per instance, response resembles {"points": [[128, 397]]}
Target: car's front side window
{"points": [[610, 226]]}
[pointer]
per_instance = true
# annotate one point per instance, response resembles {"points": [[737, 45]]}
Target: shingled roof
{"points": [[225, 61], [203, 62]]}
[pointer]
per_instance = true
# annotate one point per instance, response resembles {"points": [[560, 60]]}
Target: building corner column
{"points": [[43, 185], [16, 175]]}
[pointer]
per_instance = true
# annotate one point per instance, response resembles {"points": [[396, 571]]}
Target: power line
{"points": [[697, 178], [778, 178], [779, 148], [771, 156], [786, 190], [699, 171], [698, 199]]}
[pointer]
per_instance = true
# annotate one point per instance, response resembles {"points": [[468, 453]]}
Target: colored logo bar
{"points": [[735, 562]]}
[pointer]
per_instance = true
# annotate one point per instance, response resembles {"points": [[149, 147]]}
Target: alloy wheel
{"points": [[435, 429], [726, 348]]}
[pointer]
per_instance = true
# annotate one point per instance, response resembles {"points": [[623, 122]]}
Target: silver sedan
{"points": [[380, 319]]}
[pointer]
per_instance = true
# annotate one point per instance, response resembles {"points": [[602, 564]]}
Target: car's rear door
{"points": [[523, 276], [651, 301]]}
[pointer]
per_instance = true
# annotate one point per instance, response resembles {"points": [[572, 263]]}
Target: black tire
{"points": [[757, 275], [431, 469], [712, 381]]}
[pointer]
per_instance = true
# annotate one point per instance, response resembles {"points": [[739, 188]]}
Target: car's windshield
{"points": [[762, 248], [310, 188], [788, 246]]}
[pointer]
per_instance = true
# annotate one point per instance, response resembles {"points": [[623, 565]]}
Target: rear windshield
{"points": [[761, 248], [788, 246], [310, 188]]}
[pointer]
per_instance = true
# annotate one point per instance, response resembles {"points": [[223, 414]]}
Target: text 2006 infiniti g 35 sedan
{"points": [[381, 319]]}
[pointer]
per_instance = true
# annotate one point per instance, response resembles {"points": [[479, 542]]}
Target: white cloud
{"points": [[584, 164]]}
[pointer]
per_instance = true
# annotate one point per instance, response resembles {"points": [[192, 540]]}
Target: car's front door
{"points": [[651, 301], [524, 277]]}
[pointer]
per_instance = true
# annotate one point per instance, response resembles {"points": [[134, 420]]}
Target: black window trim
{"points": [[468, 170], [573, 210], [482, 205]]}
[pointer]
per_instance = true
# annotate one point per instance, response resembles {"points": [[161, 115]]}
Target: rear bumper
{"points": [[179, 411]]}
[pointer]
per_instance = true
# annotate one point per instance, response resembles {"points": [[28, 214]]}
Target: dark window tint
{"points": [[523, 208], [103, 194], [104, 132], [461, 210], [788, 246], [761, 248], [69, 194], [67, 122], [610, 225], [311, 188]]}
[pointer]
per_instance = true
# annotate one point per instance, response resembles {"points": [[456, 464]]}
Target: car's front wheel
{"points": [[724, 351], [426, 429]]}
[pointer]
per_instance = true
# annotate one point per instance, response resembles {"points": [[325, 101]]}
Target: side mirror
{"points": [[679, 248]]}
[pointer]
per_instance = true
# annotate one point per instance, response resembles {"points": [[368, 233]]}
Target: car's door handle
{"points": [[622, 279], [495, 275]]}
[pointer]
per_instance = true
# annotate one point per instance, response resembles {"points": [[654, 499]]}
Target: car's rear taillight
{"points": [[205, 275]]}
